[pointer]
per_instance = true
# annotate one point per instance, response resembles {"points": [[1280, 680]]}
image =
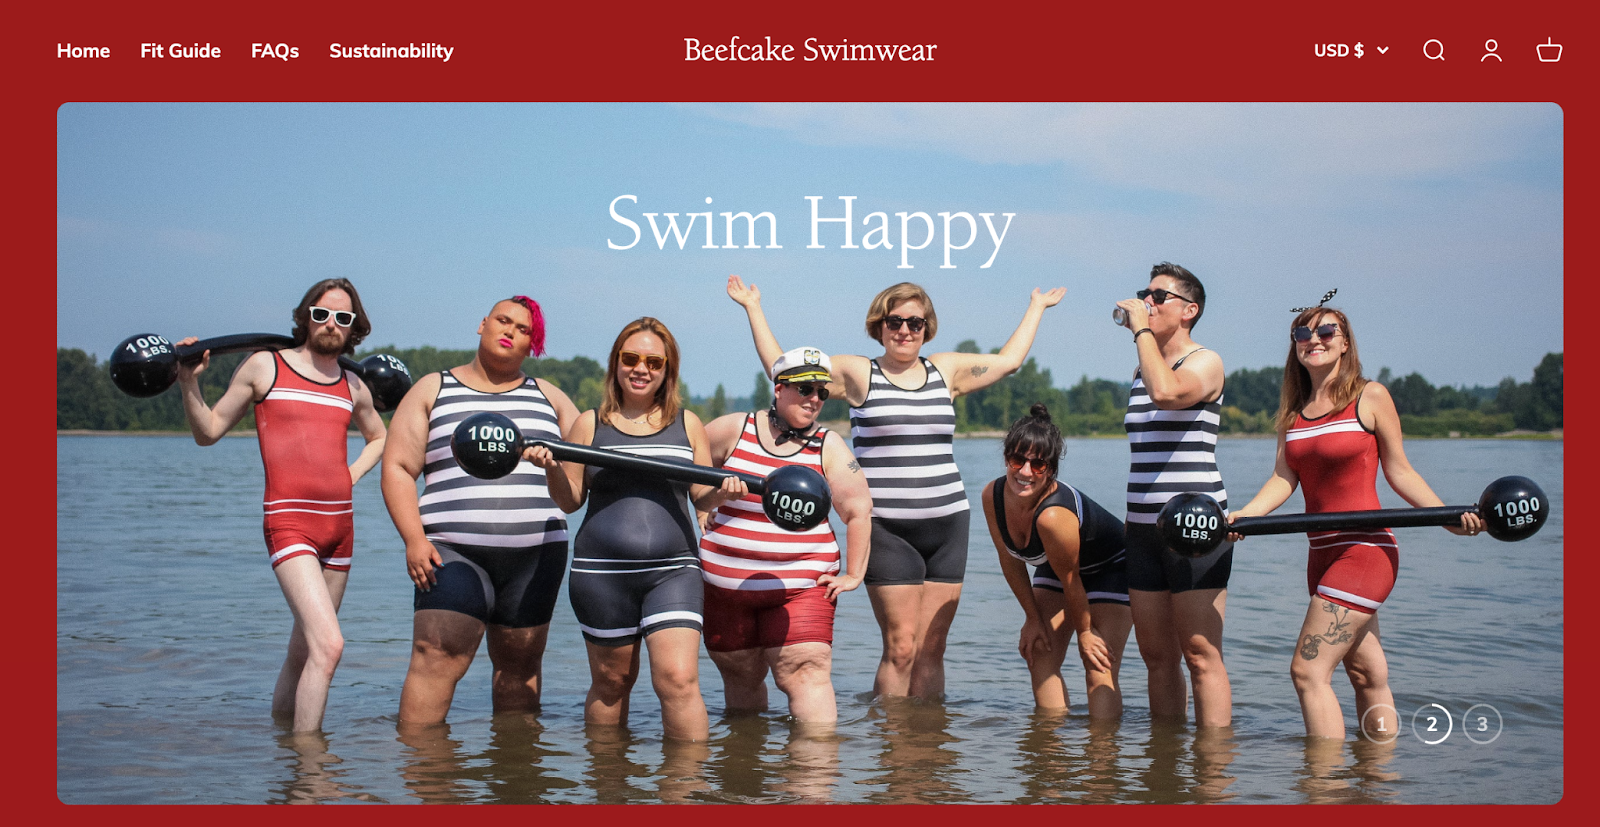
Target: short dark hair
{"points": [[1035, 434], [1186, 280], [302, 314]]}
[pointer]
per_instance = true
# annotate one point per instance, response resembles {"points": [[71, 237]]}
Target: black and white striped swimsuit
{"points": [[635, 561], [512, 512], [1173, 451], [502, 543], [903, 440]]}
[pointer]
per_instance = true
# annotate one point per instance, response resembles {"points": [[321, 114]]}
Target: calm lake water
{"points": [[170, 630]]}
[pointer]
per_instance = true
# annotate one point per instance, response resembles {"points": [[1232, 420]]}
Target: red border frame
{"points": [[1191, 51]]}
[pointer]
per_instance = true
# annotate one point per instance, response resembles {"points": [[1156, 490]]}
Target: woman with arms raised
{"points": [[902, 423]]}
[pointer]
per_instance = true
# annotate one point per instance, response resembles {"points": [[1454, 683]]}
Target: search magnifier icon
{"points": [[1433, 49]]}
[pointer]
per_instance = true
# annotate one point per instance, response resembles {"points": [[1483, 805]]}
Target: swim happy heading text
{"points": [[877, 231]]}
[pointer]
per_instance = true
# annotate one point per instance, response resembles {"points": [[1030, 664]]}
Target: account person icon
{"points": [[1488, 51]]}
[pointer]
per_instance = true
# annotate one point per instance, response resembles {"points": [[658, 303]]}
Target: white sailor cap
{"points": [[803, 364]]}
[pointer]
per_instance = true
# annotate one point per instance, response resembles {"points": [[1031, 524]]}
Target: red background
{"points": [[604, 52]]}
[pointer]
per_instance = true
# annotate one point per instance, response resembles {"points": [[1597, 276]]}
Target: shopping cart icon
{"points": [[1549, 52]]}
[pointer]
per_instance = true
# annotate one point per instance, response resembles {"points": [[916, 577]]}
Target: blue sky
{"points": [[1440, 224]]}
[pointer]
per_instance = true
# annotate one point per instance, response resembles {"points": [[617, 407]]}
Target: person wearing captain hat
{"points": [[771, 593]]}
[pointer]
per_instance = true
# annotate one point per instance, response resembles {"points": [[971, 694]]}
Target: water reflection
{"points": [[1184, 766], [918, 758], [752, 766], [612, 772], [738, 771], [513, 768], [809, 763], [1329, 776], [1214, 749], [516, 765], [1062, 762], [316, 774], [431, 763], [618, 773]]}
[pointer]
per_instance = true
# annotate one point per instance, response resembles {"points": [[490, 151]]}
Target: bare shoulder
{"points": [[852, 366], [429, 385], [550, 389], [723, 433], [835, 443], [1059, 520], [1204, 360], [1376, 401], [258, 370], [357, 385], [583, 427], [726, 422]]}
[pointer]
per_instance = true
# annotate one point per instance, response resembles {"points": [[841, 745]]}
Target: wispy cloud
{"points": [[1209, 150]]}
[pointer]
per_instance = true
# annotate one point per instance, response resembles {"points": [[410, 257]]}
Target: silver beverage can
{"points": [[1119, 316]]}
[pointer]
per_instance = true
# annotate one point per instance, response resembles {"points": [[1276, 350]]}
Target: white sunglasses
{"points": [[342, 318]]}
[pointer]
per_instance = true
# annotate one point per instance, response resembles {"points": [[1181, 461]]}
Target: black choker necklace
{"points": [[781, 432]]}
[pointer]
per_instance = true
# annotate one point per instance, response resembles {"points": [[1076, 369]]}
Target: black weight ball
{"points": [[1192, 524], [144, 365], [796, 498], [387, 378], [487, 445], [1513, 508]]}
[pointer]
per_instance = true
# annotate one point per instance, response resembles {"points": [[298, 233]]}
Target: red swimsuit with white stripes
{"points": [[303, 427], [761, 581], [1336, 459]]}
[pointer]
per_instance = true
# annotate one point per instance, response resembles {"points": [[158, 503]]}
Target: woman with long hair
{"points": [[1335, 428], [635, 569]]}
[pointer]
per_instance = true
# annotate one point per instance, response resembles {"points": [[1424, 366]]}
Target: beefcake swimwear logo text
{"points": [[909, 231], [766, 50]]}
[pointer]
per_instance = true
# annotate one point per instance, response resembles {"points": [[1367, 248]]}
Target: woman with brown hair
{"points": [[1334, 429], [635, 569], [902, 423]]}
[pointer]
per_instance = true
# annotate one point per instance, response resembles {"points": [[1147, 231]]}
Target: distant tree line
{"points": [[86, 399]]}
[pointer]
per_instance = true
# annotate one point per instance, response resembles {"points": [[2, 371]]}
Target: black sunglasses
{"points": [[1325, 332], [1160, 296], [806, 389], [342, 318], [916, 323]]}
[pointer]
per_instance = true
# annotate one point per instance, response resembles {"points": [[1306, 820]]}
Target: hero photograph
{"points": [[809, 453]]}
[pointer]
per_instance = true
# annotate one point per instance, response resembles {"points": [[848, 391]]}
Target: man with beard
{"points": [[771, 593], [304, 404]]}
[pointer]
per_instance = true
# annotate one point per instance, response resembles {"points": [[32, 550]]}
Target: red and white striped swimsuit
{"points": [[1336, 459], [744, 551], [303, 427]]}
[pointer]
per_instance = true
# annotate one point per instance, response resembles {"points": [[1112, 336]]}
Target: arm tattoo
{"points": [[853, 467], [1338, 632], [979, 370]]}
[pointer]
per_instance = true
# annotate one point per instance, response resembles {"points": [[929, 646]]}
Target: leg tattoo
{"points": [[1338, 632]]}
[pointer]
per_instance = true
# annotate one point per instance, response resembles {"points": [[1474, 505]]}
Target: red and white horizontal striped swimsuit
{"points": [[1336, 459], [744, 551], [304, 430]]}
